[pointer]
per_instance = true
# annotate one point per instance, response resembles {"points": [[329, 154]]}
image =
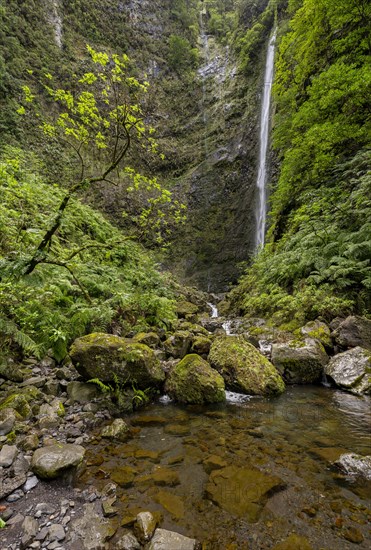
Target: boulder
{"points": [[192, 380], [109, 357], [79, 392], [18, 403], [178, 344], [242, 492], [351, 370], [352, 332], [53, 461], [8, 454], [169, 540], [355, 465], [186, 310], [243, 367], [128, 542], [300, 362]]}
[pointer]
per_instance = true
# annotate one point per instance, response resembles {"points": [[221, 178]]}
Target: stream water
{"points": [[261, 207], [167, 466]]}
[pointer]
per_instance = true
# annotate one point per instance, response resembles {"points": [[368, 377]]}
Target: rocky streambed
{"points": [[261, 468]]}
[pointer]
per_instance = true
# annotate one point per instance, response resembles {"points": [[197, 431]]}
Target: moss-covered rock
{"points": [[243, 367], [318, 331], [150, 339], [192, 380], [107, 357], [186, 310], [300, 362], [18, 403]]}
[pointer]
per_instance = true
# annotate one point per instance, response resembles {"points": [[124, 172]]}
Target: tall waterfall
{"points": [[261, 207]]}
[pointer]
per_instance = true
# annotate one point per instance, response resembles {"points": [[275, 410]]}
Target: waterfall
{"points": [[203, 72], [261, 207], [214, 310]]}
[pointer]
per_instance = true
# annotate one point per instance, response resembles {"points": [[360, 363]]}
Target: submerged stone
{"points": [[118, 430], [108, 358], [242, 491], [294, 542], [243, 367], [192, 380], [172, 503], [351, 370]]}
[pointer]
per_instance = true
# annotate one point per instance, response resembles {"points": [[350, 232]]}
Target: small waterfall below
{"points": [[214, 310], [261, 207]]}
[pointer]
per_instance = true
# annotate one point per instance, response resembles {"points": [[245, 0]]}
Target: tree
{"points": [[98, 118]]}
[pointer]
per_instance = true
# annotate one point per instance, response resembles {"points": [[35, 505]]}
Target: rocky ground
{"points": [[48, 413]]}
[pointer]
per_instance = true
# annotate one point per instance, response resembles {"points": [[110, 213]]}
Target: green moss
{"points": [[192, 380], [243, 367]]}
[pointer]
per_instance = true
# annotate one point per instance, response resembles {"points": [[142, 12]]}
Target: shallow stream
{"points": [[246, 474]]}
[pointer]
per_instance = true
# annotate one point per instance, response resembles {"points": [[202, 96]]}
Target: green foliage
{"points": [[112, 282], [321, 90], [317, 260], [182, 57], [140, 397]]}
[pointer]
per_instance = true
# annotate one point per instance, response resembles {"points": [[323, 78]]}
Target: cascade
{"points": [[261, 207], [203, 72], [214, 310]]}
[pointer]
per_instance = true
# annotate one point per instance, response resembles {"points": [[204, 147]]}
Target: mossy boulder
{"points": [[300, 362], [243, 367], [109, 357], [186, 310], [351, 370], [192, 380]]}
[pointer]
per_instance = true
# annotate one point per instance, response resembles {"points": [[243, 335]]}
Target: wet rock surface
{"points": [[351, 370], [352, 332]]}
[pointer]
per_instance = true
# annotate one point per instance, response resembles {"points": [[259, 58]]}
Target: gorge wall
{"points": [[205, 63]]}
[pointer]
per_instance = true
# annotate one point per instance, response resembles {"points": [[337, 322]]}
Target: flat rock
{"points": [[172, 503], [242, 491], [169, 540], [91, 531], [30, 528], [52, 461], [351, 369]]}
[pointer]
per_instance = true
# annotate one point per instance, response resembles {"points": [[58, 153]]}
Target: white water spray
{"points": [[261, 208]]}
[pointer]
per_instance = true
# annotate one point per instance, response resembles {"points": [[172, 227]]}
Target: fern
{"points": [[10, 329], [104, 388]]}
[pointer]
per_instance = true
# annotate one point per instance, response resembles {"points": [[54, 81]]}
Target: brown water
{"points": [[287, 443]]}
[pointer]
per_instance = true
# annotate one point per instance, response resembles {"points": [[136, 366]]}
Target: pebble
{"points": [[15, 496], [30, 483]]}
